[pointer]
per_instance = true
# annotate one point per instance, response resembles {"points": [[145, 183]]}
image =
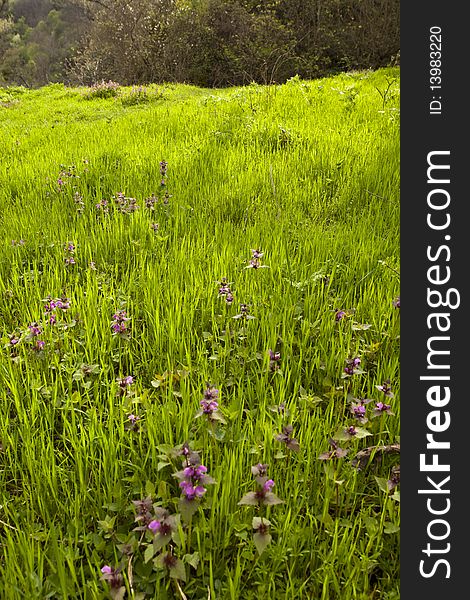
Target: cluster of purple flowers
{"points": [[193, 477], [124, 384], [51, 305], [225, 290], [255, 261], [244, 313], [103, 206], [102, 89], [112, 576], [335, 452], [70, 253], [125, 204], [274, 360], [66, 173], [358, 408], [119, 325], [35, 330], [209, 405], [79, 202], [263, 496], [352, 367]]}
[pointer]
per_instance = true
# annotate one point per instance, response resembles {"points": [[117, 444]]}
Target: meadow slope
{"points": [[120, 218]]}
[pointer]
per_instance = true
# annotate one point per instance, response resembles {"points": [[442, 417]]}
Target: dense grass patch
{"points": [[143, 202]]}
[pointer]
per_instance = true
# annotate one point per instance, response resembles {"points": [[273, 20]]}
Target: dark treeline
{"points": [[210, 43]]}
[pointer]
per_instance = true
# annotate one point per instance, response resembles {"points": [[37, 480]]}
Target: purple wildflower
{"points": [[211, 393], [103, 206], [358, 409], [394, 478], [225, 290], [193, 479], [286, 438], [112, 576], [143, 514], [274, 360], [119, 324], [351, 367], [396, 302], [335, 452], [255, 262], [208, 407], [35, 329], [263, 495], [244, 314], [191, 492], [381, 408], [151, 201], [259, 470], [268, 485], [124, 383], [339, 315], [385, 388]]}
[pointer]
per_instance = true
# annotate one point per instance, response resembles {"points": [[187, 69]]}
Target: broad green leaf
{"points": [[391, 527], [262, 541], [382, 483], [149, 553], [192, 559], [178, 571]]}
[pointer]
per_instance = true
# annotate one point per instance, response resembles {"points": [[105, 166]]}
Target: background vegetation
{"points": [[210, 43]]}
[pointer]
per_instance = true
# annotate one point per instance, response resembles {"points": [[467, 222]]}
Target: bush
{"points": [[104, 89]]}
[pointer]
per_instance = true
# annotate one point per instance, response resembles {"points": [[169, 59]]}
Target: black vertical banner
{"points": [[435, 242]]}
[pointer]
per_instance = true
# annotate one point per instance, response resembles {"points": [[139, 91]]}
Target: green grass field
{"points": [[308, 174]]}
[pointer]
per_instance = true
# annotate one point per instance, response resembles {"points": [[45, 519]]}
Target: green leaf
{"points": [[371, 525], [192, 559], [178, 571], [249, 499], [149, 553], [119, 593], [187, 508], [361, 326], [257, 521], [361, 432], [391, 527], [329, 470], [262, 541], [382, 483], [271, 499], [149, 488], [159, 541]]}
